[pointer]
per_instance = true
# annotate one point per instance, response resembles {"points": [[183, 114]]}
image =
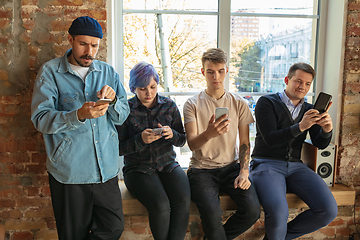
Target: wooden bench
{"points": [[131, 206]]}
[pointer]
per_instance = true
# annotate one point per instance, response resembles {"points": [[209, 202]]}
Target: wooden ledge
{"points": [[131, 206]]}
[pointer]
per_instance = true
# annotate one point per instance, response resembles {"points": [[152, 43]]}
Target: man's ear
{"points": [[71, 39], [227, 69], [202, 71], [286, 80]]}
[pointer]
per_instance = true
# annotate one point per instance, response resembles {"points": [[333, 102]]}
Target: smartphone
{"points": [[221, 111], [158, 131], [102, 101], [322, 102]]}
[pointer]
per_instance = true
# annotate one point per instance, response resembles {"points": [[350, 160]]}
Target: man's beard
{"points": [[84, 57]]}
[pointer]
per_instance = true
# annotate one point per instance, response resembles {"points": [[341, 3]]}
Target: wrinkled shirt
{"points": [[158, 155], [78, 152]]}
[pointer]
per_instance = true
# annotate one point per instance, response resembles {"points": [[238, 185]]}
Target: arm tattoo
{"points": [[244, 155]]}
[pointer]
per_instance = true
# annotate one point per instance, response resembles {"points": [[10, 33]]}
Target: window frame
{"points": [[224, 15]]}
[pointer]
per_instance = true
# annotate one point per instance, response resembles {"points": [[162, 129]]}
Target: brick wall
{"points": [[349, 150], [33, 32]]}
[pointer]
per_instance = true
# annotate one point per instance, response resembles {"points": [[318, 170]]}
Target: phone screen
{"points": [[322, 102], [221, 111], [157, 131], [103, 101]]}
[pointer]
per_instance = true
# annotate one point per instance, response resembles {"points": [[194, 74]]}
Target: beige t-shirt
{"points": [[222, 150]]}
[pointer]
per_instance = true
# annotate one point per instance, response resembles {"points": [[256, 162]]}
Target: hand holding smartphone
{"points": [[102, 101], [322, 102], [158, 131], [221, 111]]}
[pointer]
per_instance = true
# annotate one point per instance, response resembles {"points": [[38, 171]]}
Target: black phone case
{"points": [[322, 102]]}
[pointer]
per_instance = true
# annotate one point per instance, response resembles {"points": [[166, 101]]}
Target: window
{"points": [[173, 34]]}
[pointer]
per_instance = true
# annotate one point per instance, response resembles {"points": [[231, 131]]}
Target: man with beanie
{"points": [[80, 136]]}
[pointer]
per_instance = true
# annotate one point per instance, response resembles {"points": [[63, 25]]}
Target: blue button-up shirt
{"points": [[78, 152]]}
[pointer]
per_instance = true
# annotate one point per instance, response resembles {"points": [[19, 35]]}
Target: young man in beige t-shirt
{"points": [[218, 164]]}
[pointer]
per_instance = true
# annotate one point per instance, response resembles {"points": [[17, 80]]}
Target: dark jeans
{"points": [[166, 196], [205, 187], [87, 211], [272, 178]]}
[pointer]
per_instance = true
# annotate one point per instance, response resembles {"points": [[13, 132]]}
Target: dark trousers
{"points": [[166, 196], [205, 187], [87, 211], [272, 179]]}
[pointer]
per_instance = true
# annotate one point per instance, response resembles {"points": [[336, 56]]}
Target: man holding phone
{"points": [[282, 122], [218, 164], [80, 137]]}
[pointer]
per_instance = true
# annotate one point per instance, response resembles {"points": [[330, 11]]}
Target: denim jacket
{"points": [[78, 152]]}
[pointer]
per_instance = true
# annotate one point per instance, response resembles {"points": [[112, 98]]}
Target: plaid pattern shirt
{"points": [[158, 155]]}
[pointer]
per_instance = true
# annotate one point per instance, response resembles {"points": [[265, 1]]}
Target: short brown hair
{"points": [[301, 66], [214, 55]]}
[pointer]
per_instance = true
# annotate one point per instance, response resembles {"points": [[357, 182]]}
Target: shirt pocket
{"points": [[69, 101], [164, 120], [137, 124], [60, 150]]}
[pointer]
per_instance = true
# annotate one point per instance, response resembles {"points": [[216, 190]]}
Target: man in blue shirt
{"points": [[80, 136]]}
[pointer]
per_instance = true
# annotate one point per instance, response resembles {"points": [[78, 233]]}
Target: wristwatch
{"points": [[114, 101]]}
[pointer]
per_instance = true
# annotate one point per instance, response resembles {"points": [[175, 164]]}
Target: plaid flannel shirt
{"points": [[158, 155]]}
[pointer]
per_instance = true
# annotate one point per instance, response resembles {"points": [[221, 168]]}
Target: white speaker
{"points": [[322, 161]]}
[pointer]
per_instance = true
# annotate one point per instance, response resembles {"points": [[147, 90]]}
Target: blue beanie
{"points": [[86, 26]]}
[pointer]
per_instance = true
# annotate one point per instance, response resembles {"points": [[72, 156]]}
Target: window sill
{"points": [[343, 196]]}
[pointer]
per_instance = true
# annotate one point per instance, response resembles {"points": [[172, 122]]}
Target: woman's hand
{"points": [[148, 136], [167, 131]]}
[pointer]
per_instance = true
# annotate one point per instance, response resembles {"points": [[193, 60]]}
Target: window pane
{"points": [[275, 6], [260, 58], [187, 37], [262, 51], [208, 5]]}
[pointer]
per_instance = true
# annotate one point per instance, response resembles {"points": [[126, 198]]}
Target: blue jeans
{"points": [[205, 186], [166, 196], [272, 179]]}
